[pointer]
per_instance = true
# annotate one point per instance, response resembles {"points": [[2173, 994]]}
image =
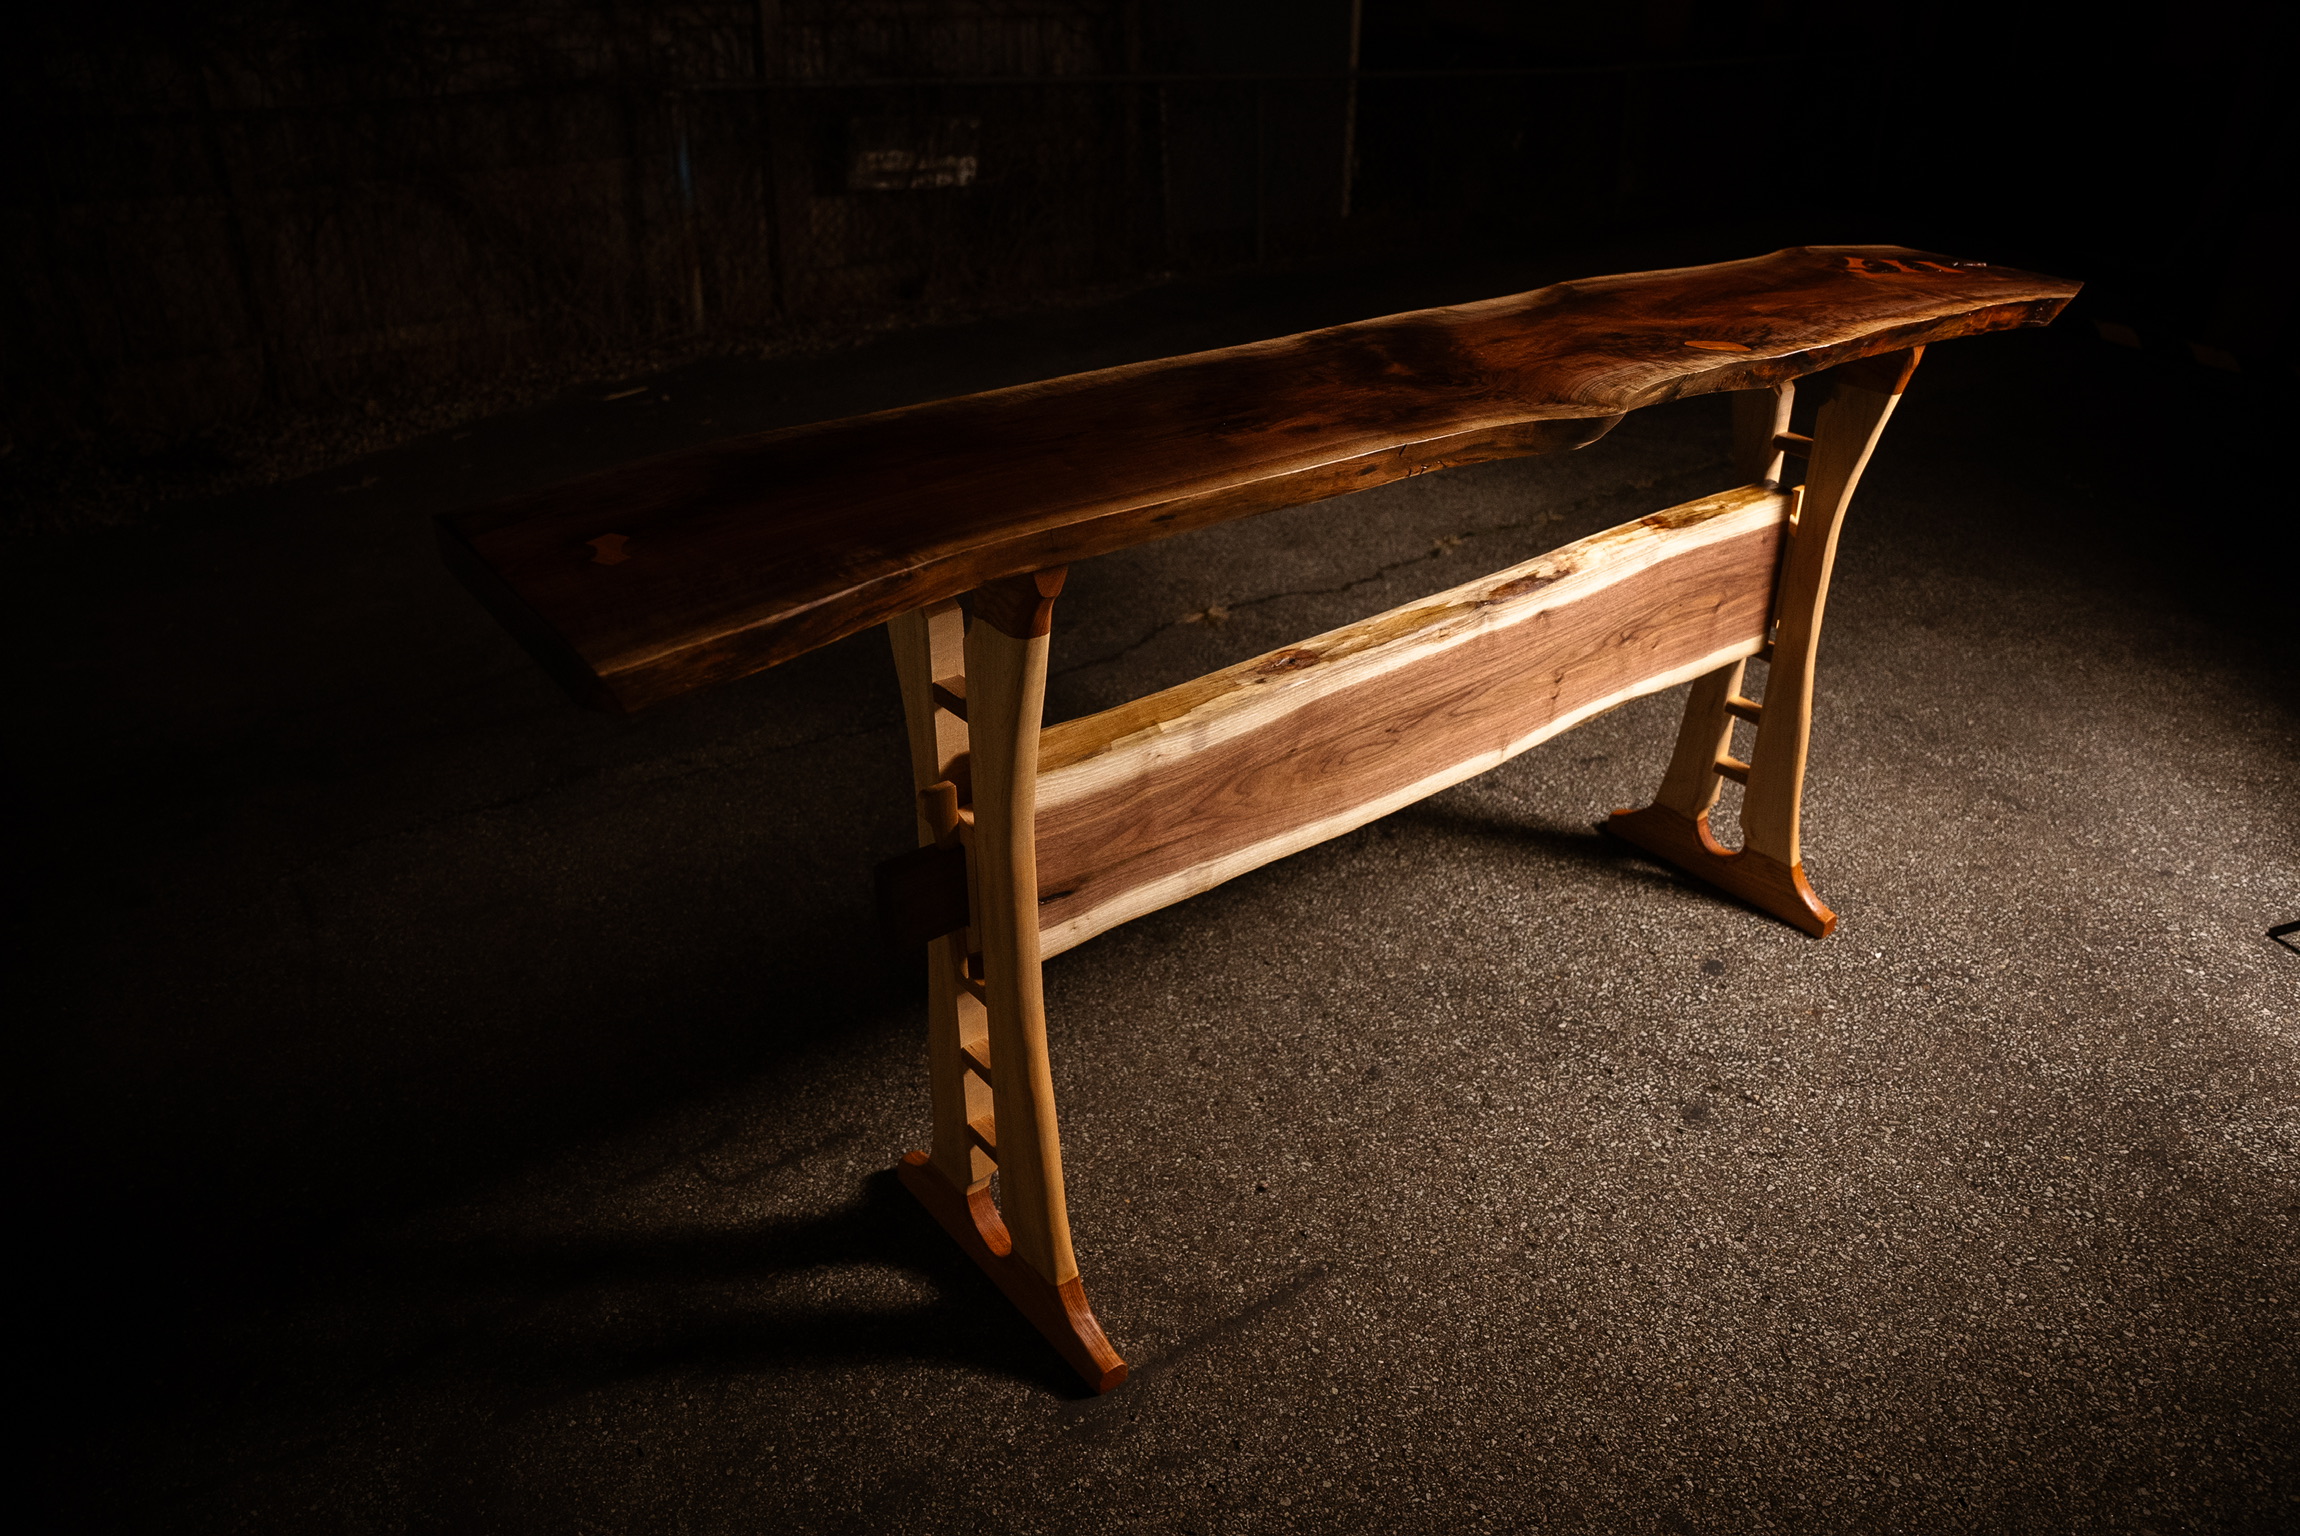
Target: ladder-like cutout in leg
{"points": [[1768, 872], [1675, 828]]}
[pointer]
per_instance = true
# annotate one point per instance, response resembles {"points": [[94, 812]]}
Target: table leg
{"points": [[1768, 871], [1023, 1241]]}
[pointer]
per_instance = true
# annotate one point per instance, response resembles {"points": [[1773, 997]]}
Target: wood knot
{"points": [[1676, 517], [1292, 660], [1718, 346], [1519, 586], [607, 549]]}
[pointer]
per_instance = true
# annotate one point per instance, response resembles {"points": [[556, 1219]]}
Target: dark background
{"points": [[247, 239], [250, 247]]}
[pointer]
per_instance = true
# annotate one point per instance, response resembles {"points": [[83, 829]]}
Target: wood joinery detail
{"points": [[1144, 805]]}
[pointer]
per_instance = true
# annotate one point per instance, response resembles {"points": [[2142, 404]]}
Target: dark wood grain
{"points": [[737, 556]]}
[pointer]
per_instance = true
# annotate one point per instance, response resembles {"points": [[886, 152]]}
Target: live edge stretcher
{"points": [[642, 582]]}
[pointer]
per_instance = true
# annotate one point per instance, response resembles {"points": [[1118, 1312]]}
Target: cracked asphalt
{"points": [[462, 1112]]}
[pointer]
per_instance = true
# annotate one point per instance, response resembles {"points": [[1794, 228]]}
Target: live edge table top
{"points": [[641, 582]]}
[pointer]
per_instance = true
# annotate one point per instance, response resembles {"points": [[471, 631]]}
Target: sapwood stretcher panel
{"points": [[1157, 800]]}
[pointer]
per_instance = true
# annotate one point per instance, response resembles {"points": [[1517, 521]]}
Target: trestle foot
{"points": [[1059, 1312], [1762, 881]]}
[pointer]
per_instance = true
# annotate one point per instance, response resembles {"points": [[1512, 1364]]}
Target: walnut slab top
{"points": [[641, 582]]}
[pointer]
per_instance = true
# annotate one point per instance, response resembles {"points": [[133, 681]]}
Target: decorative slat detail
{"points": [[1734, 769], [927, 644], [976, 1059], [983, 1132], [1144, 805], [950, 695], [1794, 443], [1745, 709]]}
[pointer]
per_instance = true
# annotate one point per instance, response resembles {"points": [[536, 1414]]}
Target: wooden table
{"points": [[639, 583]]}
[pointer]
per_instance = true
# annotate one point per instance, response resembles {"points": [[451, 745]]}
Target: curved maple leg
{"points": [[980, 698], [1768, 872]]}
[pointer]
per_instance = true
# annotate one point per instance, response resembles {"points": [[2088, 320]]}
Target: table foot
{"points": [[1059, 1312], [1763, 882]]}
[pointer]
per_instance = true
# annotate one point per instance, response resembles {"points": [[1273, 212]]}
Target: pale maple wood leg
{"points": [[1845, 435], [1006, 678], [1023, 1240], [1768, 872]]}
